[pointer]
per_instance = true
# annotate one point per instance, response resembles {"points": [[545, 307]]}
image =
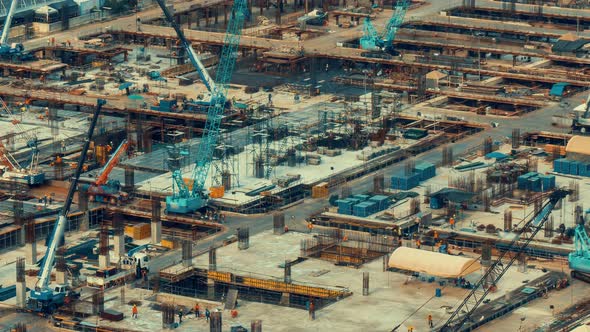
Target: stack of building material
{"points": [[426, 170], [170, 244], [138, 231], [536, 182], [320, 190], [405, 181], [415, 133], [361, 198], [313, 159], [216, 192], [364, 209], [382, 201], [573, 167], [344, 206]]}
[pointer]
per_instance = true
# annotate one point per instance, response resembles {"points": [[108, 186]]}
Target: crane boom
{"points": [[183, 199], [60, 224], [372, 41], [192, 55], [495, 272], [396, 20], [7, 159], [108, 167], [31, 139], [8, 22]]}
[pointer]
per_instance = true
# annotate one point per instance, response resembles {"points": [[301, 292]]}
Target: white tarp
{"points": [[433, 263]]}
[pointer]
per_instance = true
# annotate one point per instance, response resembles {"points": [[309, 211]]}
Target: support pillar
{"points": [[210, 289], [103, 261], [365, 283], [21, 286], [212, 259], [31, 252], [103, 248], [156, 222], [30, 243], [187, 253], [119, 244], [129, 179], [118, 235], [243, 238], [215, 322], [287, 272], [256, 326], [278, 221]]}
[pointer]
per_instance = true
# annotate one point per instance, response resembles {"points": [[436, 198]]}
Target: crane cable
{"points": [[527, 217]]}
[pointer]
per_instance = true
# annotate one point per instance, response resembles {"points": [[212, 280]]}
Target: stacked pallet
{"points": [[138, 231], [319, 191]]}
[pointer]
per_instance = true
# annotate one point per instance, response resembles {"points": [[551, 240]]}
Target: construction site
{"points": [[305, 165]]}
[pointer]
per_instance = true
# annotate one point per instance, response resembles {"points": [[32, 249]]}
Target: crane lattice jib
{"points": [[192, 55], [108, 167], [369, 32], [581, 241], [223, 76], [495, 272], [396, 20]]}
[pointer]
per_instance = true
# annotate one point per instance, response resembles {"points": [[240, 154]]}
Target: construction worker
{"points": [[207, 314], [197, 310], [430, 321], [418, 243], [134, 311], [452, 222], [180, 313], [410, 329], [311, 310]]}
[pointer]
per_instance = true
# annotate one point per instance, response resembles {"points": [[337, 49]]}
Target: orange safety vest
{"points": [[452, 221], [134, 310]]}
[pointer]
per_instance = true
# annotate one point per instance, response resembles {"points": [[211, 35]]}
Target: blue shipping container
{"points": [[361, 197], [405, 182]]}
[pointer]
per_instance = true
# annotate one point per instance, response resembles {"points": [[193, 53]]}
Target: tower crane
{"points": [[105, 190], [374, 41], [183, 198], [456, 322], [31, 173], [45, 298]]}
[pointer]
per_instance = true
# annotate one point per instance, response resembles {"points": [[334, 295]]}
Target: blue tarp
{"points": [[557, 89], [496, 155]]}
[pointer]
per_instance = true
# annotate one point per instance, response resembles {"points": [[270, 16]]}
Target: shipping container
{"points": [[405, 182]]}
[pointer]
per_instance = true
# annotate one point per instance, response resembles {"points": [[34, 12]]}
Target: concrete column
{"points": [[156, 222], [212, 259], [21, 285], [60, 277], [84, 221], [21, 294], [187, 253], [31, 253], [103, 261], [210, 288], [119, 242]]}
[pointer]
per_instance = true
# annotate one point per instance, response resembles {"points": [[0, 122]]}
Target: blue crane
{"points": [[579, 259], [45, 298], [373, 41], [14, 51], [185, 199], [495, 272]]}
